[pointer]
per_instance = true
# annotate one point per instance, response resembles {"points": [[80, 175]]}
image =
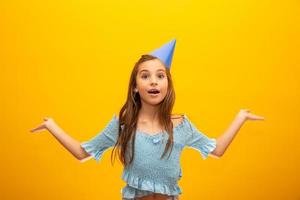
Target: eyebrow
{"points": [[148, 70]]}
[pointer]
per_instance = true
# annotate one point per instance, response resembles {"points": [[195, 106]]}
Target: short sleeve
{"points": [[103, 140], [198, 140]]}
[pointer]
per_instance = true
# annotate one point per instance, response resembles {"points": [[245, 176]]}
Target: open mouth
{"points": [[153, 91]]}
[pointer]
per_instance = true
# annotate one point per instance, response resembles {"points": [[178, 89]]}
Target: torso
{"points": [[150, 145]]}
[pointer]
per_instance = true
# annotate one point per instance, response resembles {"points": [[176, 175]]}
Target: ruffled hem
{"points": [[90, 149], [206, 149], [130, 193], [209, 147], [147, 186]]}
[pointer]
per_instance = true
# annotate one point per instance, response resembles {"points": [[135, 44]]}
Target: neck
{"points": [[148, 112]]}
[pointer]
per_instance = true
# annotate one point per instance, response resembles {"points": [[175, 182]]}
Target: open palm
{"points": [[245, 113], [43, 126]]}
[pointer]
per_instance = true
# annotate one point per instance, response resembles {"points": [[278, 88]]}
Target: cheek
{"points": [[165, 86], [166, 83], [140, 84]]}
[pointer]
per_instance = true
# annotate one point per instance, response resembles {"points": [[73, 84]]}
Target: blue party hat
{"points": [[165, 53]]}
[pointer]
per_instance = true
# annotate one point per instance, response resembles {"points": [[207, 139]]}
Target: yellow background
{"points": [[71, 60]]}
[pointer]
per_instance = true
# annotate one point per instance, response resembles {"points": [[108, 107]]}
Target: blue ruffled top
{"points": [[148, 173]]}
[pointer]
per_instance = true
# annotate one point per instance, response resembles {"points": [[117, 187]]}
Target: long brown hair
{"points": [[128, 116]]}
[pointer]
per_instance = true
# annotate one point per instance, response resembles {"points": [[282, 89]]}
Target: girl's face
{"points": [[152, 82]]}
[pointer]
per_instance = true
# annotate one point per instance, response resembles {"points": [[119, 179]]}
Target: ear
{"points": [[135, 90]]}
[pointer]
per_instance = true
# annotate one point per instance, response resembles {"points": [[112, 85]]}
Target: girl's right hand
{"points": [[44, 126]]}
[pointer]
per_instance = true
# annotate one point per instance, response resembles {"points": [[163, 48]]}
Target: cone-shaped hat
{"points": [[165, 53]]}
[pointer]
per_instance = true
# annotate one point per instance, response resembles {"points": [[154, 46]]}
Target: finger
{"points": [[259, 117], [37, 129], [34, 130]]}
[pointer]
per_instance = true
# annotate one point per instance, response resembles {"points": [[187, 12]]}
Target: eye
{"points": [[144, 76], [161, 76]]}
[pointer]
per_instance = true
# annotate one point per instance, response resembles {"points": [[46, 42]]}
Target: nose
{"points": [[153, 80]]}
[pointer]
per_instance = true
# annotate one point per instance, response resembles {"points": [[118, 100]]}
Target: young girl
{"points": [[151, 165]]}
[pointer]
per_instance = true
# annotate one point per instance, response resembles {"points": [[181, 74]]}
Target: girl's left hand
{"points": [[245, 114]]}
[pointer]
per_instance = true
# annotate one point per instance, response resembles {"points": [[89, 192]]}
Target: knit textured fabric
{"points": [[148, 173]]}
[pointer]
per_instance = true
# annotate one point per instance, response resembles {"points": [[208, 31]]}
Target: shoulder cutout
{"points": [[177, 119], [177, 116]]}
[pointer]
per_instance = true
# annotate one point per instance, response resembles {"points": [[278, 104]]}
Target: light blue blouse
{"points": [[148, 173]]}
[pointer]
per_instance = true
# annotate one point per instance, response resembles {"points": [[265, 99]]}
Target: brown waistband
{"points": [[157, 196]]}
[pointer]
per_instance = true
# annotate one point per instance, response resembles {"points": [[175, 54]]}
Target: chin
{"points": [[153, 102]]}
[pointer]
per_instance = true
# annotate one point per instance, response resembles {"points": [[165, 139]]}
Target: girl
{"points": [[151, 165]]}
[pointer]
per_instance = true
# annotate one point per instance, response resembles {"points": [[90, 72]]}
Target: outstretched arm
{"points": [[226, 138], [72, 145]]}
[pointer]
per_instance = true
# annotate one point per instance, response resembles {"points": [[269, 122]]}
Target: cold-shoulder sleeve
{"points": [[198, 140], [103, 140]]}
